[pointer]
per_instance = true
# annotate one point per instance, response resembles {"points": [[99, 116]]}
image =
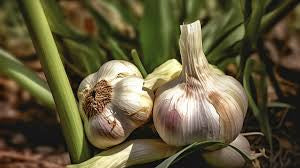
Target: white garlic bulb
{"points": [[113, 103], [229, 157], [202, 103]]}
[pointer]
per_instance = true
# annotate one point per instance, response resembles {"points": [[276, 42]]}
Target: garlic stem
{"points": [[192, 56]]}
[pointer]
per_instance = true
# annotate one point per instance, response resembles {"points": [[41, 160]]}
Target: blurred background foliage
{"points": [[236, 39]]}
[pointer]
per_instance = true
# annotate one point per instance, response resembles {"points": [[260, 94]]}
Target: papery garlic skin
{"points": [[130, 153], [229, 157], [167, 71], [202, 103], [113, 103]]}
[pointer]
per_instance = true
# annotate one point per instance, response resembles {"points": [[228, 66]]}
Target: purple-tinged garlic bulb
{"points": [[201, 104]]}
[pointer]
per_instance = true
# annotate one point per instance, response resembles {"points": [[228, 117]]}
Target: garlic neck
{"points": [[194, 62]]}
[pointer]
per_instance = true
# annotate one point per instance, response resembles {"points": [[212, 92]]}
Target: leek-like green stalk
{"points": [[57, 79]]}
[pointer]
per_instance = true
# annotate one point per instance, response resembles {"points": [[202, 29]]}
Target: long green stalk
{"points": [[27, 79], [57, 79], [138, 62], [254, 11]]}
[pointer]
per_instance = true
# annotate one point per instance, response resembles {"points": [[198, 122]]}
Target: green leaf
{"points": [[138, 62], [229, 47], [26, 78], [278, 13], [187, 150], [193, 8], [83, 49], [56, 21], [194, 147], [253, 14], [57, 79], [157, 30], [259, 111], [280, 105], [117, 52], [218, 29], [86, 56]]}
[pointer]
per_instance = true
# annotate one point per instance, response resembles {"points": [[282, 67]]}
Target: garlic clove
{"points": [[129, 90], [167, 71], [121, 69], [106, 129], [113, 103], [229, 157], [202, 103]]}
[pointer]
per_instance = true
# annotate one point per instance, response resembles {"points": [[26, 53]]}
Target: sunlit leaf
{"points": [[26, 78], [84, 49], [156, 33]]}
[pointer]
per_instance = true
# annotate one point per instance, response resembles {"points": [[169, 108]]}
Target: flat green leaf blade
{"points": [[218, 29], [258, 111], [56, 20], [26, 78], [73, 40], [193, 8], [195, 146], [156, 33], [253, 13]]}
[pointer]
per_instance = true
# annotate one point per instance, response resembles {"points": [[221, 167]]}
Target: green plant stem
{"points": [[254, 11], [26, 78], [259, 109], [138, 62], [270, 19], [57, 79], [117, 52]]}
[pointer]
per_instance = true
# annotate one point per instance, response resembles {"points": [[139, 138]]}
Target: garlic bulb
{"points": [[133, 152], [229, 157], [202, 103], [113, 103]]}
